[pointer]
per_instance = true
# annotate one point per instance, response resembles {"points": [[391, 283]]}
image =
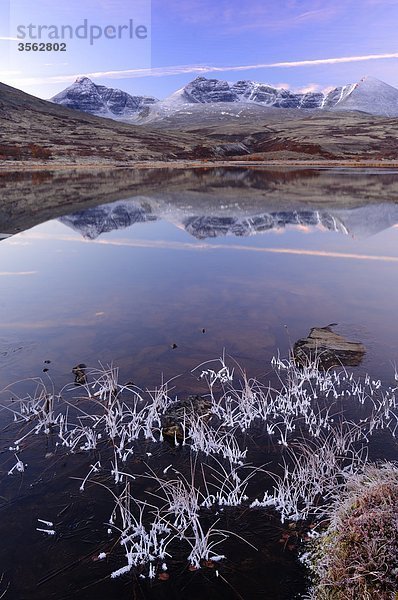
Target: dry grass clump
{"points": [[357, 556]]}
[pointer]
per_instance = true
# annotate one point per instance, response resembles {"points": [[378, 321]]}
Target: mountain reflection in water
{"points": [[234, 220]]}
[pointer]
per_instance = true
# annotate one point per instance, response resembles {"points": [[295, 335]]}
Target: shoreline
{"points": [[196, 164]]}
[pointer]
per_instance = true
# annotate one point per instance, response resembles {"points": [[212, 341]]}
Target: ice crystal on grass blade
{"points": [[181, 499], [224, 486], [203, 542], [206, 439], [143, 544], [223, 375], [105, 383], [19, 467], [93, 469], [311, 474], [47, 524]]}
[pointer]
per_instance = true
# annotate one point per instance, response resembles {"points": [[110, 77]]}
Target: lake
{"points": [[156, 273]]}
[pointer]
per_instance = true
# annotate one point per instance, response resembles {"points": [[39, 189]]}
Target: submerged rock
{"points": [[173, 419], [330, 348], [80, 374]]}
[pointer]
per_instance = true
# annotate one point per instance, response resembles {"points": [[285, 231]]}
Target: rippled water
{"points": [[159, 281]]}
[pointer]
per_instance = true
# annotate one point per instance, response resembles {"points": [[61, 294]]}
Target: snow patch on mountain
{"points": [[372, 96]]}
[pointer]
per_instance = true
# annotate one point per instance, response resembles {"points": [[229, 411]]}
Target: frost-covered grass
{"points": [[357, 555], [302, 417]]}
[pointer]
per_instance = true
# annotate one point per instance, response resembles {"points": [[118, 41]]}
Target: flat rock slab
{"points": [[330, 348]]}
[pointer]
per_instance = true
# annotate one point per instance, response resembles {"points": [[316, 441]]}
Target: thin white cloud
{"points": [[203, 69], [18, 273]]}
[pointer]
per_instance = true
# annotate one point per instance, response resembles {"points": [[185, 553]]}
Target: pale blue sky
{"points": [[229, 39]]}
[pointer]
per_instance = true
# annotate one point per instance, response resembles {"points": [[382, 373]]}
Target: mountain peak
{"points": [[100, 100], [371, 78], [84, 79], [370, 95]]}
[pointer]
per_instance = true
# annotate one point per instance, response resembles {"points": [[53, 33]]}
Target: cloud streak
{"points": [[18, 273], [204, 69], [171, 245]]}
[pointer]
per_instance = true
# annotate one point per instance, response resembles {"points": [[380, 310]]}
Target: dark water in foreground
{"points": [[159, 282]]}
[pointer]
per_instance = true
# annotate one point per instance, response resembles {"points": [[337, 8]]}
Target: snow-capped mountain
{"points": [[100, 100], [368, 95], [219, 98]]}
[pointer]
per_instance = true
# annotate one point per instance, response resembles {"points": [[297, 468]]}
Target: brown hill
{"points": [[35, 130]]}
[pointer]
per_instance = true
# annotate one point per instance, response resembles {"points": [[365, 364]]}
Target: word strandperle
{"points": [[85, 31]]}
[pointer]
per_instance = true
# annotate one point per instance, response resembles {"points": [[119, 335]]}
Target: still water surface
{"points": [[88, 288], [159, 283]]}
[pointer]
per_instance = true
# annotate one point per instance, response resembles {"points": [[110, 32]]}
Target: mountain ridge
{"points": [[369, 95]]}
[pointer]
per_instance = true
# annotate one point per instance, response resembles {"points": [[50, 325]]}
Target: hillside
{"points": [[327, 136], [36, 130]]}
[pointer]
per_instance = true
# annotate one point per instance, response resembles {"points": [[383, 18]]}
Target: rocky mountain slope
{"points": [[100, 100], [204, 91]]}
